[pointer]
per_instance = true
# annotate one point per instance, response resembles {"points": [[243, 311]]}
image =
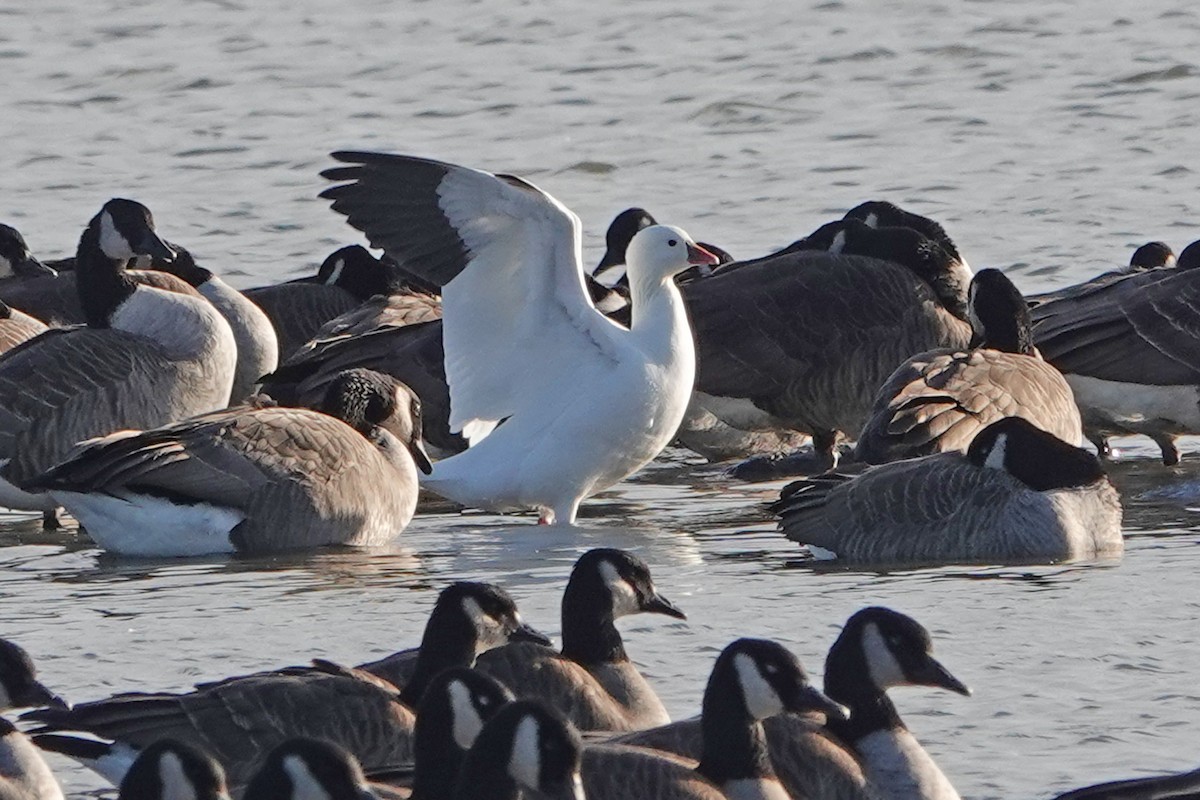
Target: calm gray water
{"points": [[1050, 138]]}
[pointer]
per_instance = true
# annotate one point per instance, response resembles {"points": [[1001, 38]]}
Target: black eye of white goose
{"points": [[525, 763], [305, 785], [762, 701], [672, 242]]}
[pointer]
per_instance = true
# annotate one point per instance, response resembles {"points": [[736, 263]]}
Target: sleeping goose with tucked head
{"points": [[146, 358], [239, 720], [591, 680], [254, 478], [523, 341], [753, 679], [938, 401], [804, 339], [1018, 495]]}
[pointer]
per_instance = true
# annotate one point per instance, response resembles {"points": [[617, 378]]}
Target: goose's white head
{"points": [[660, 252]]}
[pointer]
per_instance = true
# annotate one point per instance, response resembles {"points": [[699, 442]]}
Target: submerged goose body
{"points": [[938, 401], [752, 679], [804, 339], [253, 478], [592, 681], [1018, 495], [1131, 353], [147, 358], [1156, 256], [524, 343], [240, 720]]}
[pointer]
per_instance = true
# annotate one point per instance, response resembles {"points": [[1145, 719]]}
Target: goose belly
{"points": [[143, 525], [1136, 407], [898, 768]]}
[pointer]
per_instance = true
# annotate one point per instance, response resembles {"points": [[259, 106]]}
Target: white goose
{"points": [[524, 343]]}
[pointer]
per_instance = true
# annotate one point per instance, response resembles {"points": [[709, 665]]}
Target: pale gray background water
{"points": [[1050, 138]]}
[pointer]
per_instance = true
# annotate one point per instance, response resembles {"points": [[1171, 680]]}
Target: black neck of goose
{"points": [[437, 756], [485, 779], [735, 744], [449, 641], [588, 631], [102, 283], [848, 681], [1010, 336]]}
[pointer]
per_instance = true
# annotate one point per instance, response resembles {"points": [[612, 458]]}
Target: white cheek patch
{"points": [[488, 633], [465, 720], [305, 786], [112, 243], [839, 243], [6, 700], [525, 763], [6, 268], [175, 783], [884, 669], [762, 701], [336, 272], [624, 597], [872, 220], [995, 459]]}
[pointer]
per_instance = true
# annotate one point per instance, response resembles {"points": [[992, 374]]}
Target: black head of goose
{"points": [[526, 749], [884, 214], [753, 679], [1019, 495], [1189, 257], [240, 719], [1152, 255], [308, 769], [19, 686], [348, 276], [23, 773], [880, 649], [254, 478], [804, 339], [16, 262], [592, 680], [939, 400], [172, 770], [152, 357], [456, 705], [257, 344]]}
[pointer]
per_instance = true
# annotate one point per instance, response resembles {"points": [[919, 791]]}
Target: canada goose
{"points": [[16, 262], [254, 478], [299, 308], [17, 327], [938, 401], [171, 770], [752, 679], [257, 344], [1131, 353], [239, 720], [1182, 785], [147, 358], [309, 769], [1156, 256], [592, 681], [1019, 494], [455, 707], [23, 773], [805, 339], [526, 749], [523, 341]]}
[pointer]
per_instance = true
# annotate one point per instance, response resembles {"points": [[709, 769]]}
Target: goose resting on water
{"points": [[524, 342]]}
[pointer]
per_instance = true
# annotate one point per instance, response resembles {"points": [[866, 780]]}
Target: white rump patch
{"points": [[141, 525], [112, 243], [762, 701], [525, 762], [995, 459], [305, 786], [175, 783], [884, 669], [465, 720], [624, 597]]}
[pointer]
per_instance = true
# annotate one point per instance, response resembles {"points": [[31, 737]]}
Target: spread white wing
{"points": [[519, 325]]}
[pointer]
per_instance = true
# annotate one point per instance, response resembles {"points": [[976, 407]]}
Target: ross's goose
{"points": [[524, 343]]}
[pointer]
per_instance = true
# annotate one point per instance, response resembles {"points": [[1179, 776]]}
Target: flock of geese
{"points": [[173, 415], [485, 707]]}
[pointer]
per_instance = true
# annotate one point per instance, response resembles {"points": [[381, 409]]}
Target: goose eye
{"points": [[672, 242]]}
